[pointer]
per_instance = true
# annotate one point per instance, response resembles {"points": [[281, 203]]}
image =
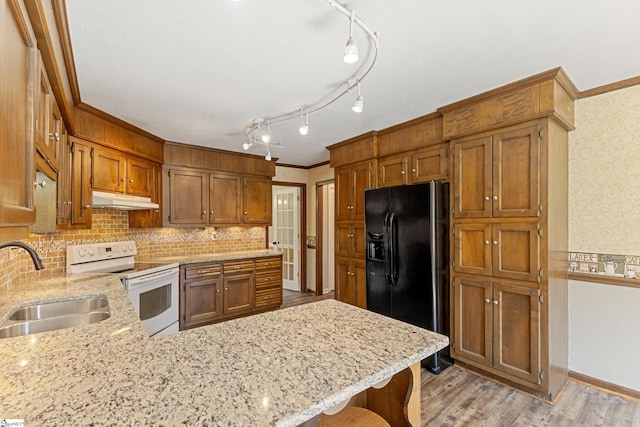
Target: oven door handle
{"points": [[153, 276]]}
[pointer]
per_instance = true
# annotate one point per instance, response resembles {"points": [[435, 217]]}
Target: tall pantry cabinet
{"points": [[509, 231]]}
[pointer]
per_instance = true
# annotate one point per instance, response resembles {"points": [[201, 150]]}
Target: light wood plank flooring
{"points": [[458, 398]]}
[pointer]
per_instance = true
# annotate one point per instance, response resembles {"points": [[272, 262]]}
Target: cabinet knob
{"points": [[403, 172], [122, 179], [486, 242], [495, 243], [218, 291], [211, 212], [413, 170], [495, 302], [487, 300], [87, 206], [486, 198], [226, 289], [245, 212], [495, 197], [131, 180]]}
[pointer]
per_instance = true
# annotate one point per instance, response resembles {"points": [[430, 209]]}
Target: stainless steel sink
{"points": [[54, 315]]}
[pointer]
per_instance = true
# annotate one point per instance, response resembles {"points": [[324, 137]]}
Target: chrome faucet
{"points": [[37, 262]]}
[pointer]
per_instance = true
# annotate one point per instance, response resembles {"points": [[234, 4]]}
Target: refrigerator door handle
{"points": [[387, 251], [393, 248]]}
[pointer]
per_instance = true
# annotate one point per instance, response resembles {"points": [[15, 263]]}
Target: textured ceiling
{"points": [[199, 71]]}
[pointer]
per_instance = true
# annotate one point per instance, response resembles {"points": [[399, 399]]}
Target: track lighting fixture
{"points": [[257, 136], [359, 104], [304, 129], [350, 50]]}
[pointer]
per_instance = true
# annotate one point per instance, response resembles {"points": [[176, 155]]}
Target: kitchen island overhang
{"points": [[279, 368]]}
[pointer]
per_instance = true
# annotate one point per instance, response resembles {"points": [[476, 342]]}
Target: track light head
{"points": [[268, 156], [304, 129], [247, 145], [350, 52], [359, 104], [266, 137]]}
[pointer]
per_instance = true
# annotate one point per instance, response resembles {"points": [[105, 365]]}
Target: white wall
{"points": [[604, 201], [604, 339]]}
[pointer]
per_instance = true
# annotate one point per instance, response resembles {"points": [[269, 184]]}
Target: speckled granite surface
{"points": [[274, 369], [226, 256]]}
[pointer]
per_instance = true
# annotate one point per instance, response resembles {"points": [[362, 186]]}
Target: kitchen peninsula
{"points": [[279, 368]]}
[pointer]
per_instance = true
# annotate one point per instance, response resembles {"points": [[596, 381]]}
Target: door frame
{"points": [[319, 232], [303, 229]]}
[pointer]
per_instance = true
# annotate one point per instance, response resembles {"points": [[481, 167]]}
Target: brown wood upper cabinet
{"points": [[18, 86], [113, 170], [351, 181], [199, 197], [416, 166], [498, 175], [150, 218], [497, 326], [80, 183], [49, 121]]}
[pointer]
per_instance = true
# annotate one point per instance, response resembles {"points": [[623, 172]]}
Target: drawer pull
{"points": [[237, 267], [204, 271]]}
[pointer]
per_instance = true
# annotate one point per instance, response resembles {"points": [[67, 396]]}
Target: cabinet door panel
{"points": [[362, 179], [202, 301], [188, 196], [18, 89], [343, 239], [345, 288], [359, 240], [516, 180], [472, 314], [139, 177], [359, 278], [80, 184], [472, 248], [257, 200], [392, 171], [239, 293], [427, 165], [472, 178], [225, 197], [343, 193], [516, 251], [108, 169], [516, 331]]}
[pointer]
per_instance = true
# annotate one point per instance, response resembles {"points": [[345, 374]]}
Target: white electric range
{"points": [[152, 287]]}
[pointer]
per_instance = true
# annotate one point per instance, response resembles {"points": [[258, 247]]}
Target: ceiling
{"points": [[199, 72]]}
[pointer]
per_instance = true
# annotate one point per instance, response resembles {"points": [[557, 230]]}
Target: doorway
{"points": [[288, 231], [325, 260]]}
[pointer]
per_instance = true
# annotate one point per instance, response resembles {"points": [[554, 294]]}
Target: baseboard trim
{"points": [[606, 386]]}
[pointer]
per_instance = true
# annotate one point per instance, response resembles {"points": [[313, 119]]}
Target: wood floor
{"points": [[458, 398]]}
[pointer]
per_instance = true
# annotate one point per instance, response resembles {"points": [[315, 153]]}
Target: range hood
{"points": [[121, 202]]}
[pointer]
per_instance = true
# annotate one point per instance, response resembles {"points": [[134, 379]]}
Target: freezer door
{"points": [[376, 204]]}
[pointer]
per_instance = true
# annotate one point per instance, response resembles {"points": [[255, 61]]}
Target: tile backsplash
{"points": [[605, 264], [112, 225]]}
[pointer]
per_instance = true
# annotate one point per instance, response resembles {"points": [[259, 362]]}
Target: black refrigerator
{"points": [[407, 248]]}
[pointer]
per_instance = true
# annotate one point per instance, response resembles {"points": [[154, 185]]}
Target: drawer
{"points": [[268, 280], [269, 263], [269, 297], [232, 267], [205, 269]]}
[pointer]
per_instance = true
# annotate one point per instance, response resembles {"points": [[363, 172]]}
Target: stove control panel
{"points": [[92, 252]]}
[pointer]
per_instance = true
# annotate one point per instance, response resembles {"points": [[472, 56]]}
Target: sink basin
{"points": [[54, 315]]}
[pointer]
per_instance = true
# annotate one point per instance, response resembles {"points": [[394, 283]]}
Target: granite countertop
{"points": [[226, 256], [261, 370]]}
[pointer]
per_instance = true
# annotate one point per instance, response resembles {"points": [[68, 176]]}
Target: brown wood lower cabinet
{"points": [[497, 326], [215, 291], [351, 281]]}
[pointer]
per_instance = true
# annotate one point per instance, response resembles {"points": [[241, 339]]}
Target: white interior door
{"points": [[286, 212]]}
